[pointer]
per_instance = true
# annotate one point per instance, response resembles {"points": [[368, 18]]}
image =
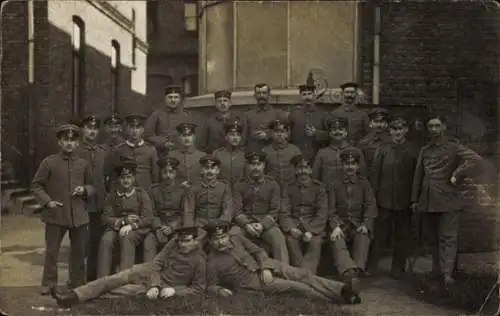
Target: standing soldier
{"points": [[161, 124], [257, 204], [377, 136], [306, 123], [305, 216], [352, 214], [232, 157], [258, 119], [279, 153], [113, 129], [127, 217], [62, 185], [144, 154], [327, 165], [357, 119], [441, 165], [391, 177], [187, 154], [168, 197], [213, 134], [95, 155]]}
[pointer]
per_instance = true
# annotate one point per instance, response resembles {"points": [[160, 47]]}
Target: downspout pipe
{"points": [[376, 56], [31, 87]]}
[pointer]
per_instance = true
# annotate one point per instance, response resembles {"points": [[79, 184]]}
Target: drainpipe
{"points": [[376, 57], [31, 85]]}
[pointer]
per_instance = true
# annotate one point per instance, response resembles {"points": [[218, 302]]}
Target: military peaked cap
{"points": [[174, 89], [91, 121], [168, 162], [70, 131]]}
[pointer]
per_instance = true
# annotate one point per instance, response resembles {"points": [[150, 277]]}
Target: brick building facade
{"points": [[65, 59]]}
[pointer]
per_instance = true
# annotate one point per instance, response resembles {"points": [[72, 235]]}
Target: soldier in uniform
{"points": [[160, 128], [187, 154], [352, 214], [62, 185], [231, 156], [305, 216], [235, 263], [169, 198], [95, 155], [258, 119], [178, 270], [213, 134], [127, 216], [441, 165], [279, 153], [113, 129], [378, 134], [211, 198], [327, 166], [144, 154], [357, 119], [307, 123], [257, 205], [391, 177]]}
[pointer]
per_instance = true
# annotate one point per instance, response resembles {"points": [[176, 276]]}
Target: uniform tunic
{"points": [[370, 143], [95, 155], [278, 162], [213, 133], [189, 163], [168, 204], [146, 157], [161, 126], [328, 167], [259, 119], [210, 201], [232, 164], [299, 119], [56, 178]]}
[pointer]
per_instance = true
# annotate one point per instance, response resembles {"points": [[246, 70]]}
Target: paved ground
{"points": [[23, 255]]}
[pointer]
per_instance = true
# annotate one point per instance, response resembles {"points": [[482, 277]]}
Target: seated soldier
{"points": [[257, 204], [305, 216], [178, 270], [353, 209], [127, 217], [235, 263], [209, 199], [168, 206]]}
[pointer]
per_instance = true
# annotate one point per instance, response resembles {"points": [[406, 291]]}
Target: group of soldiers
{"points": [[245, 200]]}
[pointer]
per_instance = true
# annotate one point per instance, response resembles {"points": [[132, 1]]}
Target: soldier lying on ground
{"points": [[235, 263], [183, 275]]}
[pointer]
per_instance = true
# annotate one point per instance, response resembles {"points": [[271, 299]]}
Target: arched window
{"points": [[78, 80], [115, 75]]}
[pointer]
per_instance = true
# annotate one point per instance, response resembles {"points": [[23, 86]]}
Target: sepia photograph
{"points": [[242, 157]]}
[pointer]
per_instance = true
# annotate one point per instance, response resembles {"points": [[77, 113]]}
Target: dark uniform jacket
{"points": [[189, 166], [213, 134], [161, 125], [391, 175], [299, 119], [258, 119], [169, 204], [232, 164], [184, 272], [95, 154], [436, 163], [278, 164], [56, 178], [257, 201], [118, 206], [328, 167], [306, 208], [370, 143], [351, 202], [209, 202]]}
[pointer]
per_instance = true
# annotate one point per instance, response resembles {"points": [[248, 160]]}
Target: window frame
{"points": [[115, 66], [193, 32], [78, 66]]}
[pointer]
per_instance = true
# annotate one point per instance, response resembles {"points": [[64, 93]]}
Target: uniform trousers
{"points": [[54, 235], [94, 237], [359, 250], [305, 255], [273, 238]]}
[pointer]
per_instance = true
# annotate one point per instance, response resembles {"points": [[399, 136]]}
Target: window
{"points": [[190, 84], [134, 37], [115, 75], [78, 80], [191, 16]]}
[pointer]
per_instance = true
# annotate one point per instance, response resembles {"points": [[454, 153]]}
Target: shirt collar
{"points": [[125, 194], [139, 144]]}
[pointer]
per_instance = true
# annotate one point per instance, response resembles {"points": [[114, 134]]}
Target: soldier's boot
{"points": [[64, 299], [350, 292]]}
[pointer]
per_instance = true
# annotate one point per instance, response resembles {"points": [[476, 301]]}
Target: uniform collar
{"points": [[125, 194], [348, 107], [393, 144], [340, 145], [256, 181], [309, 107], [263, 108], [168, 184], [189, 150], [232, 149], [139, 144], [222, 116], [65, 156], [211, 183], [279, 146], [350, 179], [304, 184], [89, 145], [176, 110]]}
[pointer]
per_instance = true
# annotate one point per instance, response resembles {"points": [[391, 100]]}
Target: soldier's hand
{"points": [[310, 130], [132, 218], [260, 134], [307, 237], [336, 234], [167, 292], [267, 276], [153, 293], [168, 145], [225, 292], [362, 229], [166, 229], [251, 230], [453, 180], [295, 233], [125, 230], [78, 191], [186, 184], [54, 204]]}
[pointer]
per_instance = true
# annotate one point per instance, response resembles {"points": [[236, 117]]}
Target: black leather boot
{"points": [[64, 299]]}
